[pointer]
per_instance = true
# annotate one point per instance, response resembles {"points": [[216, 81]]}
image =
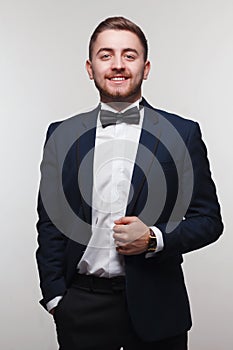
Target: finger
{"points": [[121, 249], [120, 243], [119, 229], [120, 237], [126, 220], [118, 221], [125, 251]]}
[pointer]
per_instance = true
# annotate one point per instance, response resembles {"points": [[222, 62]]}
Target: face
{"points": [[117, 66]]}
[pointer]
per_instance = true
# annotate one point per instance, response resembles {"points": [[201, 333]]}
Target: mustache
{"points": [[110, 76]]}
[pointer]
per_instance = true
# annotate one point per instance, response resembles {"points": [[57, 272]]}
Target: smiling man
{"points": [[125, 191]]}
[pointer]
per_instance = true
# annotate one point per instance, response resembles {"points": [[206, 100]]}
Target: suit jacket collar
{"points": [[147, 148], [85, 158]]}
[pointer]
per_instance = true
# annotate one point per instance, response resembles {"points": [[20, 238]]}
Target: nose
{"points": [[118, 63]]}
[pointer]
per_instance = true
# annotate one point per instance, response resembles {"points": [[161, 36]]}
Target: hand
{"points": [[131, 235]]}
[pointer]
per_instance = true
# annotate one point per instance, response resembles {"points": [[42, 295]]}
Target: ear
{"points": [[146, 69], [89, 69]]}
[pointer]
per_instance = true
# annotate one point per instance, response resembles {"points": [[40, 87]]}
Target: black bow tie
{"points": [[131, 116]]}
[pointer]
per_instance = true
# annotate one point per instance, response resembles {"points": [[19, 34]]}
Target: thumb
{"points": [[125, 220]]}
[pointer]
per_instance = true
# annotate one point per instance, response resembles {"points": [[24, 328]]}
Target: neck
{"points": [[119, 106]]}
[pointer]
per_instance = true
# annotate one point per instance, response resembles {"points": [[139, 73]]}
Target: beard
{"points": [[117, 95]]}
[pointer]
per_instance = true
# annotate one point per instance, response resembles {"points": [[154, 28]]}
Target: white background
{"points": [[43, 47]]}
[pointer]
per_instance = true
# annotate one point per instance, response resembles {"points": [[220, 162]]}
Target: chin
{"points": [[120, 96]]}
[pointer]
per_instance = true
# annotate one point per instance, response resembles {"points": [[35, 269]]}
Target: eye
{"points": [[129, 57], [105, 56]]}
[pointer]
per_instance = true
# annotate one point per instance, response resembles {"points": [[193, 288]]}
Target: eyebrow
{"points": [[110, 49]]}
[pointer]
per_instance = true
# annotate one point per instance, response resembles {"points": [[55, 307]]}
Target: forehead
{"points": [[117, 40]]}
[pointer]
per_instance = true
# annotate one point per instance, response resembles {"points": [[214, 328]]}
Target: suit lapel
{"points": [[147, 148], [85, 158]]}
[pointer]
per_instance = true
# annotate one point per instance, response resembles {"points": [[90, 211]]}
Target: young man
{"points": [[125, 191]]}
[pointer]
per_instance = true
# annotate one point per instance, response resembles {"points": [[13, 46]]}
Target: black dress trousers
{"points": [[93, 316]]}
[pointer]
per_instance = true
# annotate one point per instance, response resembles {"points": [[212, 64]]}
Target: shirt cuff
{"points": [[160, 244], [53, 303]]}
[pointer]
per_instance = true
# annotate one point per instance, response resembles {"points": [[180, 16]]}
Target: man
{"points": [[125, 191]]}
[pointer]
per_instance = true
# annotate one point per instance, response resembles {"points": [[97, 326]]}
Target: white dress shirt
{"points": [[114, 157]]}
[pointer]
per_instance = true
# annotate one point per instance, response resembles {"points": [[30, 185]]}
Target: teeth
{"points": [[117, 79]]}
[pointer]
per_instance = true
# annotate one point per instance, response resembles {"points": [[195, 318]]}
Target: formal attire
{"points": [[161, 172]]}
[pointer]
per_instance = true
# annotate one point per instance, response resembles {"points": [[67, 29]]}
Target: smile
{"points": [[118, 78]]}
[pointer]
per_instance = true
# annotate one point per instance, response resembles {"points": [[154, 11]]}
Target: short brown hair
{"points": [[118, 23]]}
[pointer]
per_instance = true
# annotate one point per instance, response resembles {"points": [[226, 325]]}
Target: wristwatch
{"points": [[152, 243]]}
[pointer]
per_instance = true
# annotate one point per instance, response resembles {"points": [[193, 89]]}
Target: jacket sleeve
{"points": [[51, 241], [202, 223]]}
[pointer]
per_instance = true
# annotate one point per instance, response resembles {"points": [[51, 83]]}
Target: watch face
{"points": [[152, 244]]}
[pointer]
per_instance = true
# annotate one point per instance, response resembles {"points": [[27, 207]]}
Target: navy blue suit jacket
{"points": [[173, 190]]}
